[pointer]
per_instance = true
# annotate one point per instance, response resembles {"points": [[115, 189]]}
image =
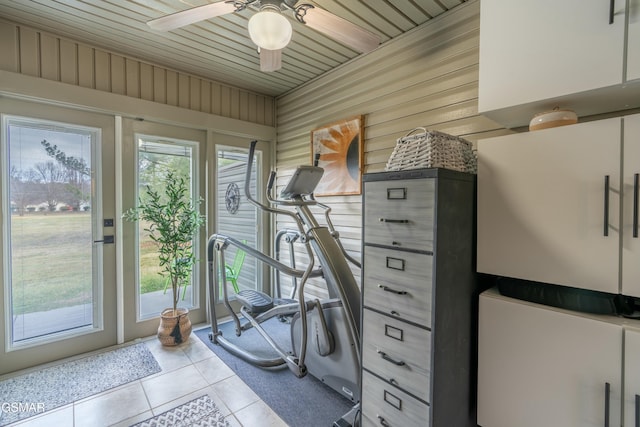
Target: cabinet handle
{"points": [[393, 291], [386, 357], [612, 4], [607, 394], [635, 205], [383, 422], [637, 424], [394, 221], [606, 205]]}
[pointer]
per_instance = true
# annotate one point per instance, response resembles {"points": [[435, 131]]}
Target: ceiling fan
{"points": [[270, 30]]}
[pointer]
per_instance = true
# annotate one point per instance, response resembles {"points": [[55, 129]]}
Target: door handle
{"points": [[637, 424], [635, 204], [612, 5], [105, 239], [606, 205], [607, 395]]}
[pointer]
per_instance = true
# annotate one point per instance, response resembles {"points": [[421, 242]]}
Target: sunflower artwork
{"points": [[337, 148]]}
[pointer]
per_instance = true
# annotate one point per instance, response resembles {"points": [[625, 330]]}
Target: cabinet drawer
{"points": [[385, 405], [400, 213], [398, 283], [398, 352]]}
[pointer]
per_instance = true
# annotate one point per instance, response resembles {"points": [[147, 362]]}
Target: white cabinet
{"points": [[540, 366], [631, 377], [544, 212], [630, 184], [538, 55], [541, 205], [633, 41]]}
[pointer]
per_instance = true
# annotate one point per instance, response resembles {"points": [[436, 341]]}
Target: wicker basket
{"points": [[432, 149], [175, 327]]}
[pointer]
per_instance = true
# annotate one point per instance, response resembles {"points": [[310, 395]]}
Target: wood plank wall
{"points": [[40, 54], [426, 78]]}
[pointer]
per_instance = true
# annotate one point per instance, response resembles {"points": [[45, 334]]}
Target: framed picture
{"points": [[338, 149]]}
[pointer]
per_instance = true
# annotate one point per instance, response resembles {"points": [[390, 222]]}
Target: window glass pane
{"points": [[157, 156], [53, 278]]}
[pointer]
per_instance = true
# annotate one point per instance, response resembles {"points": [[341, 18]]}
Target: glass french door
{"points": [[55, 237], [236, 217], [52, 224], [150, 150]]}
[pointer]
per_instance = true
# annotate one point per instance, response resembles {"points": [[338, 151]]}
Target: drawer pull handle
{"points": [[394, 221], [386, 357], [393, 291], [383, 422]]}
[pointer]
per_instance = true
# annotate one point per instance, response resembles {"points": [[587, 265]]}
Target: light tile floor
{"points": [[188, 371]]}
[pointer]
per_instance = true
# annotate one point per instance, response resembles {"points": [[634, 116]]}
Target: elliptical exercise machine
{"points": [[325, 333]]}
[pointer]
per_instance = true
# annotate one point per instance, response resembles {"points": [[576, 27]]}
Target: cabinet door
{"points": [[631, 376], [541, 205], [631, 241], [633, 41], [542, 367], [536, 50]]}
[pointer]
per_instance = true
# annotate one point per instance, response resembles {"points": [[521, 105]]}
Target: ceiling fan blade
{"points": [[337, 28], [270, 60], [190, 16]]}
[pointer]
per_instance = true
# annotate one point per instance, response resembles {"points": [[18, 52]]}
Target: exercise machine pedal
{"points": [[254, 301]]}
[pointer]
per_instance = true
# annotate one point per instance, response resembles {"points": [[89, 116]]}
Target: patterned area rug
{"points": [[36, 392], [200, 412]]}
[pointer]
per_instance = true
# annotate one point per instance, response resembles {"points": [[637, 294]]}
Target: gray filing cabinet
{"points": [[420, 299]]}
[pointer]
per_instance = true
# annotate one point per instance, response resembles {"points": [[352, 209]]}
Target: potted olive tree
{"points": [[173, 220]]}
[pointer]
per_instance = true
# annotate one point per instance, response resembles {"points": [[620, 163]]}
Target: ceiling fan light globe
{"points": [[270, 30]]}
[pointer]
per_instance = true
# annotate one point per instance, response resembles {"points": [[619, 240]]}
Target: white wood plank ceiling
{"points": [[219, 49]]}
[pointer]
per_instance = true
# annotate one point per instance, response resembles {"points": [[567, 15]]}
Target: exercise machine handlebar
{"points": [[266, 208]]}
